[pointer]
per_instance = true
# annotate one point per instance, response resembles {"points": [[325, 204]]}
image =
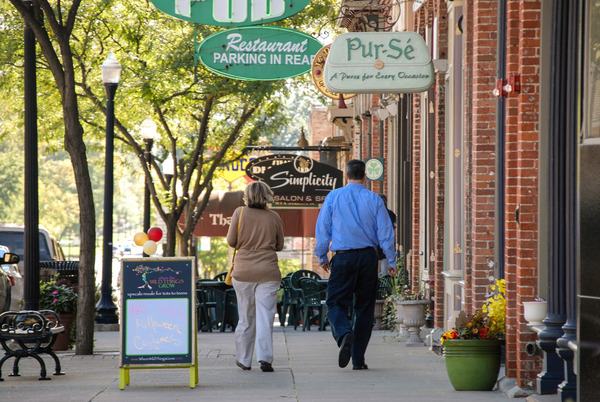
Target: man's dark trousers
{"points": [[353, 275]]}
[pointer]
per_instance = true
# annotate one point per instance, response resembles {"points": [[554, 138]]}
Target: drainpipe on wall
{"points": [[500, 145]]}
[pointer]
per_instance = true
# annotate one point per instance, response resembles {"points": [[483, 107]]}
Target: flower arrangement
{"points": [[409, 294], [58, 297], [487, 323]]}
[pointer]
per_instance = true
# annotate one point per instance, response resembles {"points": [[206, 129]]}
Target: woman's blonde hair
{"points": [[258, 194]]}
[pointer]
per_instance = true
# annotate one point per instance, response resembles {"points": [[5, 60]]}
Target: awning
{"points": [[216, 217]]}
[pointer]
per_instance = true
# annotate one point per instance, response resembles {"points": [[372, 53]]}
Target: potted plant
{"points": [[472, 350], [61, 298], [535, 311], [392, 312], [413, 306]]}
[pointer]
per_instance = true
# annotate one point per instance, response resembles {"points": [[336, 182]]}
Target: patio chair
{"points": [[205, 309], [289, 303], [311, 302], [302, 273], [220, 277], [230, 311]]}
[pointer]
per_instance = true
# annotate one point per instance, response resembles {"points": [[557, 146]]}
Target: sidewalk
{"points": [[305, 370]]}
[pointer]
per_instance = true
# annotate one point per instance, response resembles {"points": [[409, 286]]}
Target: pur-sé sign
{"points": [[379, 62], [258, 53], [229, 13]]}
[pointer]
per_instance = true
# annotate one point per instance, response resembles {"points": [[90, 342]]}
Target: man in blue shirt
{"points": [[352, 222]]}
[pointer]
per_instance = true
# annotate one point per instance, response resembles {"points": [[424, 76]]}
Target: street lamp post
{"points": [[106, 309], [148, 129], [168, 169], [31, 213]]}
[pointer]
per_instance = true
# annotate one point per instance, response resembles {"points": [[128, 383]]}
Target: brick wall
{"points": [[522, 145], [419, 112], [481, 16]]}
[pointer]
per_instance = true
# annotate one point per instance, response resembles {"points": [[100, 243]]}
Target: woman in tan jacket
{"points": [[256, 274]]}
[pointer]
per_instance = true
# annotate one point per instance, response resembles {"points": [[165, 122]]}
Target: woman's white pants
{"points": [[257, 304]]}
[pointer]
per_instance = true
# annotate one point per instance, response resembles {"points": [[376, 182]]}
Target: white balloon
{"points": [[150, 247]]}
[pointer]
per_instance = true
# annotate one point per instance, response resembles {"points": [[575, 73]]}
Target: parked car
{"points": [[8, 268], [13, 237]]}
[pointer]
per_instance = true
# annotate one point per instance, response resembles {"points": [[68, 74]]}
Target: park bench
{"points": [[29, 334]]}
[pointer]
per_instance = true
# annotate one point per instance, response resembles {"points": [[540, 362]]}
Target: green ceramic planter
{"points": [[472, 364]]}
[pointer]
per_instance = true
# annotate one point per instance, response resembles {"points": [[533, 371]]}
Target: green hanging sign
{"points": [[258, 53], [231, 13]]}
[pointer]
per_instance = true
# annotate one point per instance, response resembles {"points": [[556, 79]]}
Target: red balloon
{"points": [[155, 233]]}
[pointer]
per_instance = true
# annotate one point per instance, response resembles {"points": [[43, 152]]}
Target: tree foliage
{"points": [[204, 120]]}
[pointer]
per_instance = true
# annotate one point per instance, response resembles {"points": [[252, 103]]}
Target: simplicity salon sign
{"points": [[374, 62]]}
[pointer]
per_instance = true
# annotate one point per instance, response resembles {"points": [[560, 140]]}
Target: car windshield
{"points": [[15, 242]]}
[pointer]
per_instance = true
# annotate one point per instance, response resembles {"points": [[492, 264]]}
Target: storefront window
{"points": [[592, 66]]}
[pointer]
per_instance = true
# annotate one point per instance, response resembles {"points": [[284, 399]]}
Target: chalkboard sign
{"points": [[158, 324]]}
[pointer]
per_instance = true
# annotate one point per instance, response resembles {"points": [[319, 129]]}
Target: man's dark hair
{"points": [[355, 169]]}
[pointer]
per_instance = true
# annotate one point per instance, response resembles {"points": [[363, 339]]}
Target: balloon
{"points": [[140, 238], [150, 247], [155, 233]]}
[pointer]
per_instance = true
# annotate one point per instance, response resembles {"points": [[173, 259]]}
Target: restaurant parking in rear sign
{"points": [[258, 53]]}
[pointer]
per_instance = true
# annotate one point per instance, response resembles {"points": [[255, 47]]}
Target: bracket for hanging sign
{"points": [[508, 86]]}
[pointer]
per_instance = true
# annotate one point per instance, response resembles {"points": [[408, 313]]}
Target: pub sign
{"points": [[231, 13]]}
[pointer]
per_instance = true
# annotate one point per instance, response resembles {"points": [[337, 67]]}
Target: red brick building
{"points": [[482, 169]]}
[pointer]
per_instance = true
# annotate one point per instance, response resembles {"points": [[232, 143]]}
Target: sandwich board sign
{"points": [[231, 13], [158, 319]]}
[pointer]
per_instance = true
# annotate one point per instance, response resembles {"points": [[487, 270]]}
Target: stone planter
{"points": [[535, 312], [378, 314], [402, 331], [413, 312]]}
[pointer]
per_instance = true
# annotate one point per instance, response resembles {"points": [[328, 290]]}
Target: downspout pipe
{"points": [[499, 214]]}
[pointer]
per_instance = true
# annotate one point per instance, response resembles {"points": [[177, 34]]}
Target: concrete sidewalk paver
{"points": [[305, 370]]}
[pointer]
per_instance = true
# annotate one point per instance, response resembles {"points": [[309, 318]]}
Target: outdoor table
{"points": [[218, 293], [323, 284]]}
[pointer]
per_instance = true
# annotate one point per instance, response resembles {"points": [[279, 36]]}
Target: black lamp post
{"points": [[148, 129], [106, 309], [31, 235]]}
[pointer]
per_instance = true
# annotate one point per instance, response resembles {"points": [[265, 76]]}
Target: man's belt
{"points": [[354, 250]]}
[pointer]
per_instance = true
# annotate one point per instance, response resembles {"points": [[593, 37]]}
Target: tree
{"points": [[205, 120], [39, 15]]}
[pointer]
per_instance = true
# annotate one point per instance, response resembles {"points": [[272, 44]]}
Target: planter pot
{"points": [[378, 314], [402, 331], [472, 364], [63, 340], [535, 312], [413, 312]]}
